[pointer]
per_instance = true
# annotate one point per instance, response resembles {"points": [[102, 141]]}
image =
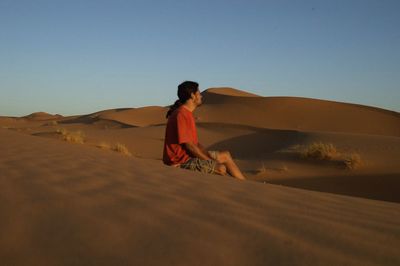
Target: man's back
{"points": [[181, 128]]}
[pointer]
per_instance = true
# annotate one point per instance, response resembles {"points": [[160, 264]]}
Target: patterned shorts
{"points": [[204, 166]]}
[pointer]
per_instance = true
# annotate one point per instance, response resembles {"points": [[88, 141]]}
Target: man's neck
{"points": [[189, 106]]}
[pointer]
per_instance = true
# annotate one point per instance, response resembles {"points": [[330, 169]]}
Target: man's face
{"points": [[197, 98]]}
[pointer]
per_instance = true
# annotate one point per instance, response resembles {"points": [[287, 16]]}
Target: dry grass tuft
{"points": [[353, 161], [320, 151], [121, 148], [61, 131], [263, 170], [328, 152], [74, 137]]}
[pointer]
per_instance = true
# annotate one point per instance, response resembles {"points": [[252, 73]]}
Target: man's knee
{"points": [[220, 169], [225, 156]]}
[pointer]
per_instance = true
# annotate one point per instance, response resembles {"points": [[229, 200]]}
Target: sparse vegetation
{"points": [[121, 148], [72, 136], [75, 137], [320, 151], [353, 161], [61, 131], [328, 152], [262, 170], [79, 137]]}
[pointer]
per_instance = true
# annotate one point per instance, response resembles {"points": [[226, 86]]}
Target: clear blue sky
{"points": [[77, 57]]}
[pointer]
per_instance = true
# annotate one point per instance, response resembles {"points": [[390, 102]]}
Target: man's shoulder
{"points": [[183, 112], [178, 115]]}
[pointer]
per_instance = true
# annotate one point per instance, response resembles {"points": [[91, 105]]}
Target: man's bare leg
{"points": [[220, 169], [225, 158]]}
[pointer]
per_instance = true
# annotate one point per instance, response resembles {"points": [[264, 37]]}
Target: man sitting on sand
{"points": [[181, 146]]}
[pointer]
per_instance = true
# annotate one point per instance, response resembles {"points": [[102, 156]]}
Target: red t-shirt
{"points": [[181, 128]]}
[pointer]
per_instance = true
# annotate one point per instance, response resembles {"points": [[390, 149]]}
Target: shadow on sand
{"points": [[263, 143], [269, 144], [377, 187]]}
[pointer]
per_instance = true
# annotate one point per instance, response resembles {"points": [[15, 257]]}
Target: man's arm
{"points": [[197, 151], [201, 147]]}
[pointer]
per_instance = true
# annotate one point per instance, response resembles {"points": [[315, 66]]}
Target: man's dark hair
{"points": [[185, 90]]}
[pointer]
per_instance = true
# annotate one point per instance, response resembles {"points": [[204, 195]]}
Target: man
{"points": [[182, 148]]}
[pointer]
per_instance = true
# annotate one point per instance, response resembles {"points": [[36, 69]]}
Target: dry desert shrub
{"points": [[121, 148], [75, 137], [328, 152], [353, 161], [262, 170], [320, 151], [72, 136], [61, 131]]}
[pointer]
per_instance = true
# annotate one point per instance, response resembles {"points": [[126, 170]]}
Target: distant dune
{"points": [[298, 114], [141, 117], [42, 116], [229, 92]]}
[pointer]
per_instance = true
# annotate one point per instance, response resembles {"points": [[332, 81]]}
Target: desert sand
{"points": [[65, 203]]}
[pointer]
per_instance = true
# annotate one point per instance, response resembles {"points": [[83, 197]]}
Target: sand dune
{"points": [[75, 204], [230, 92], [42, 116], [63, 203], [298, 114], [141, 117]]}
